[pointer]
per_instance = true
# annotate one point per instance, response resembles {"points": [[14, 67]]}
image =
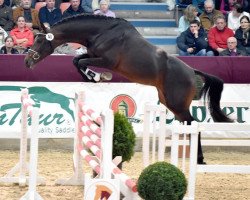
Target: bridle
{"points": [[34, 54]]}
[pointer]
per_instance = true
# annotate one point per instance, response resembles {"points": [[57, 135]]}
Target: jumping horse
{"points": [[115, 44]]}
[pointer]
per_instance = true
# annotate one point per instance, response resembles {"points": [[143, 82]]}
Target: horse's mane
{"points": [[74, 18]]}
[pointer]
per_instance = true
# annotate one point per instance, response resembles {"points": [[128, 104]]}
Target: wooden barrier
{"points": [[176, 129], [22, 167], [94, 132]]}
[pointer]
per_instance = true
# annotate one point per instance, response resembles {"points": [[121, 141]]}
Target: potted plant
{"points": [[162, 181], [124, 138]]}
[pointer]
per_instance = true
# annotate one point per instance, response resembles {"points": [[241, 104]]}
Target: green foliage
{"points": [[123, 138], [162, 181]]}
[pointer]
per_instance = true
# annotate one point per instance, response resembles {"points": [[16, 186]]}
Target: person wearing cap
{"points": [[104, 9]]}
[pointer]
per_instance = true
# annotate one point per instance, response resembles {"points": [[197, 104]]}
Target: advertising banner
{"points": [[55, 101]]}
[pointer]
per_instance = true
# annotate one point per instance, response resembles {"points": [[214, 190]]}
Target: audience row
{"points": [[213, 33], [28, 20]]}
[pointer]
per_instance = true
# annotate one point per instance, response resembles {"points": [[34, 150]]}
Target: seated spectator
{"points": [[74, 9], [193, 41], [3, 35], [242, 34], [232, 49], [190, 14], [49, 15], [218, 35], [87, 6], [30, 15], [207, 18], [6, 18], [104, 9], [22, 35], [233, 20], [8, 48]]}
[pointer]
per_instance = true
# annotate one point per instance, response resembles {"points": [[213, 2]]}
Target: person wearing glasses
{"points": [[242, 34], [232, 49]]}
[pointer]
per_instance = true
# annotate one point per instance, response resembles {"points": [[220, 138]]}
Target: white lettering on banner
{"points": [[56, 103]]}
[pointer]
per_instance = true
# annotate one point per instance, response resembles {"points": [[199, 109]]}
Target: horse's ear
{"points": [[44, 29]]}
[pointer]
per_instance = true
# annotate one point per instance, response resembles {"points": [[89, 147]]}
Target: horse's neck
{"points": [[64, 35]]}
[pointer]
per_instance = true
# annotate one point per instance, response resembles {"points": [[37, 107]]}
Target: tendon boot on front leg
{"points": [[98, 77]]}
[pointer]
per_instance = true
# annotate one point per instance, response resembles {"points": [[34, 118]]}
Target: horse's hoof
{"points": [[201, 162], [105, 76]]}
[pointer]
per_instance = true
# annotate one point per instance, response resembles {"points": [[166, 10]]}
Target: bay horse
{"points": [[115, 44]]}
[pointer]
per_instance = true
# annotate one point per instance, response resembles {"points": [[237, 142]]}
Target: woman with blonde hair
{"points": [[190, 14]]}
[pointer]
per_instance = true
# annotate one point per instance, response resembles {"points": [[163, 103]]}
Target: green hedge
{"points": [[162, 181]]}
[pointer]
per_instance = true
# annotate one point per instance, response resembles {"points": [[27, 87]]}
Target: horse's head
{"points": [[41, 48]]}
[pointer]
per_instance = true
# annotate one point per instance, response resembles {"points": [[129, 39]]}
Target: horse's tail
{"points": [[212, 89]]}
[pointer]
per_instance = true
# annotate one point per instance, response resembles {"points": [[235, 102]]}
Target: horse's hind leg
{"points": [[188, 118]]}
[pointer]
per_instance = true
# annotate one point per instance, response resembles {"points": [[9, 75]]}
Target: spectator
{"points": [[235, 15], [3, 35], [207, 18], [49, 15], [8, 48], [218, 35], [242, 34], [104, 9], [30, 15], [22, 35], [190, 14], [232, 49], [6, 18], [87, 6], [73, 9], [193, 41]]}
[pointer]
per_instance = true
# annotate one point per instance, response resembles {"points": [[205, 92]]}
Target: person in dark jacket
{"points": [[6, 17], [193, 41], [8, 48], [49, 14], [242, 34], [74, 9], [232, 49]]}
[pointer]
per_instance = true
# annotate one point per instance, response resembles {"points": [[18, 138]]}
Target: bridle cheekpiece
{"points": [[34, 54]]}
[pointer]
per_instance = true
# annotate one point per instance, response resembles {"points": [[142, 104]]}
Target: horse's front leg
{"points": [[80, 69], [97, 62]]}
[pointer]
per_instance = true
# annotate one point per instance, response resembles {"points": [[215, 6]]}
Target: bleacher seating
{"points": [[153, 20], [39, 5], [64, 6]]}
